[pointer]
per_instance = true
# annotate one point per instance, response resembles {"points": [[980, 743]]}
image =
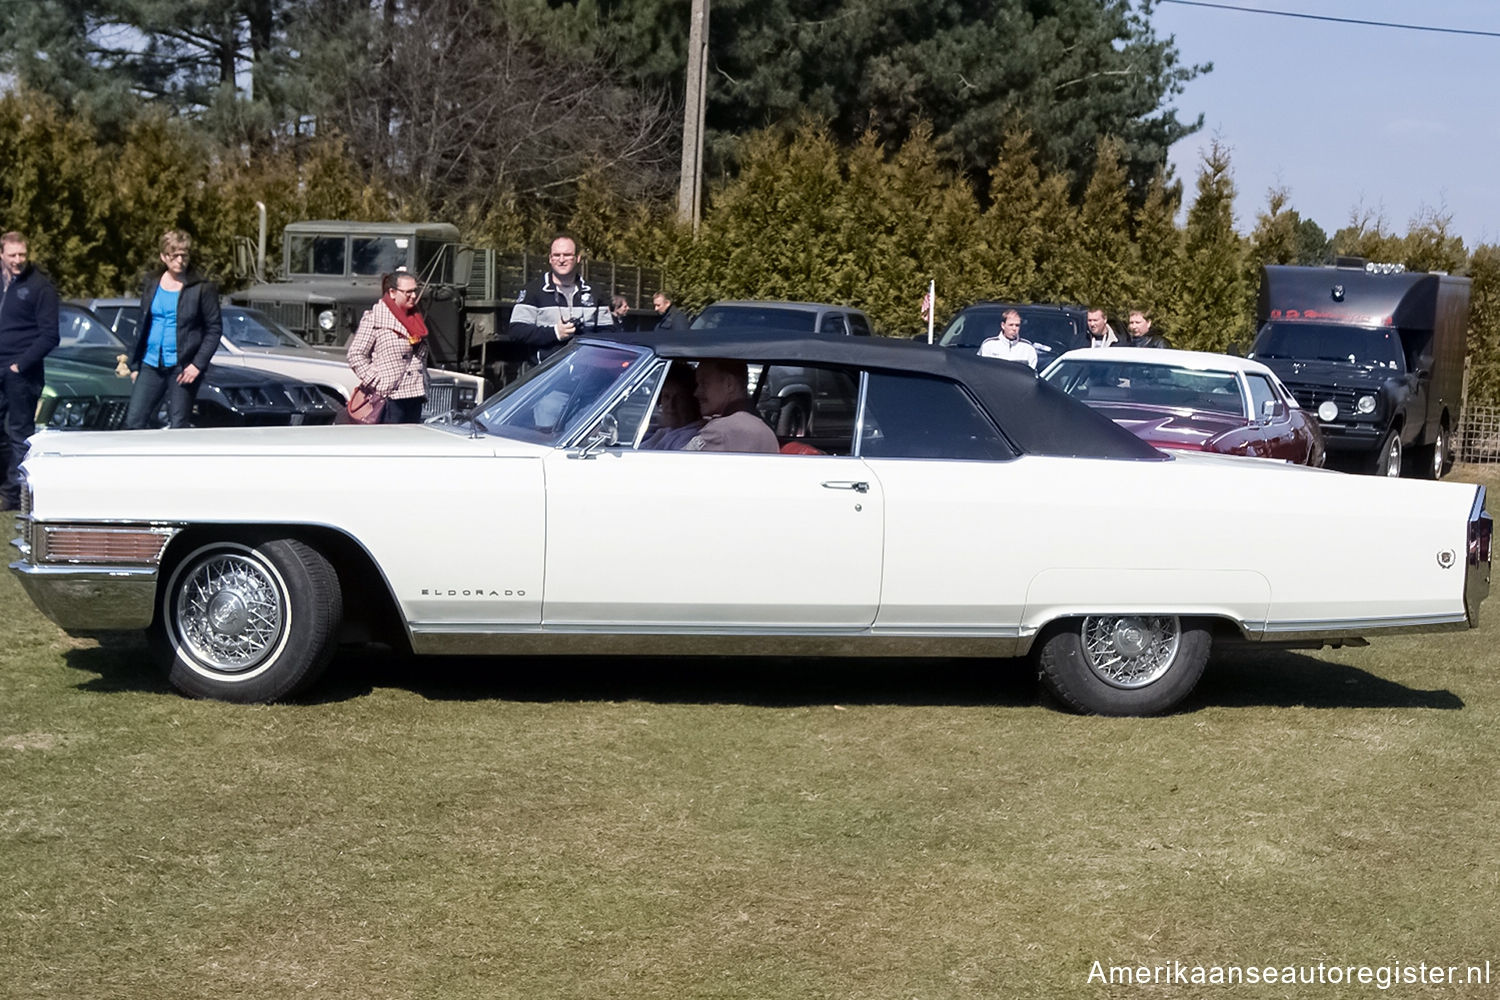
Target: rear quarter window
{"points": [[912, 416]]}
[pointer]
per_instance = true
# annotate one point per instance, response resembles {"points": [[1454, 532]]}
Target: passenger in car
{"points": [[677, 411], [733, 424]]}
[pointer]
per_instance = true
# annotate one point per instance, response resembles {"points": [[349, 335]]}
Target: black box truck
{"points": [[1377, 352]]}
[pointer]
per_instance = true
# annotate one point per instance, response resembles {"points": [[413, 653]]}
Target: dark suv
{"points": [[789, 317], [1052, 330]]}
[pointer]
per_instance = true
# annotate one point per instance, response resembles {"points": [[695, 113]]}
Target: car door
{"points": [[1278, 431], [695, 539], [959, 510]]}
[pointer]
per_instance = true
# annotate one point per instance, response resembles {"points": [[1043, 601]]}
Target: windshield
{"points": [[756, 317], [79, 328], [1368, 347], [249, 328], [1148, 385], [550, 402], [1051, 333], [377, 254]]}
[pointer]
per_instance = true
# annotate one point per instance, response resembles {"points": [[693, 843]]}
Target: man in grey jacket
{"points": [[733, 424], [28, 331]]}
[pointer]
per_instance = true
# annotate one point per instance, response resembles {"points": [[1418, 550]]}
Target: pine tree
{"points": [[1158, 243], [1107, 257], [1212, 304]]}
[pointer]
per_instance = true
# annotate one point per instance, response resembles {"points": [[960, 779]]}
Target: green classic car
{"points": [[80, 396]]}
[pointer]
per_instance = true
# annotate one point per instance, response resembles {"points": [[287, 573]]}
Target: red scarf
{"points": [[416, 326]]}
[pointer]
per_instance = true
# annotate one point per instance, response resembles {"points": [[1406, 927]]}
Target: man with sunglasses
{"points": [[558, 305]]}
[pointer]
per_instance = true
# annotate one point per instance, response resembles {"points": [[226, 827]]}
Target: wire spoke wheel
{"points": [[230, 612], [1130, 651], [248, 621]]}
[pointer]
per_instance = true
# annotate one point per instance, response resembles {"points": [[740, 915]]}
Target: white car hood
{"points": [[341, 440]]}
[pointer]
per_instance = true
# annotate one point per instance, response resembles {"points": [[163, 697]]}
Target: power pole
{"points": [[690, 190]]}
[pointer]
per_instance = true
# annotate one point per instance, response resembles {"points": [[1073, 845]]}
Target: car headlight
{"points": [[1366, 404], [466, 396], [327, 320], [70, 414], [1328, 410]]}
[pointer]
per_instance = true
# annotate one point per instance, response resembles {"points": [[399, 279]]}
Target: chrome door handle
{"points": [[842, 484]]}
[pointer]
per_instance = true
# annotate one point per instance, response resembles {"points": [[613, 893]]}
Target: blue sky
{"points": [[1344, 115]]}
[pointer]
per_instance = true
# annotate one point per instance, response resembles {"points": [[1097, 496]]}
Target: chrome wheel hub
{"points": [[229, 612], [1130, 651]]}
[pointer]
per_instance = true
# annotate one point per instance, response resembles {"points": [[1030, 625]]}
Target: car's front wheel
{"points": [[1122, 664], [248, 623], [1388, 459]]}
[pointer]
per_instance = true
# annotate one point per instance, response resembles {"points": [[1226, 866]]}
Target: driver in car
{"points": [[733, 424]]}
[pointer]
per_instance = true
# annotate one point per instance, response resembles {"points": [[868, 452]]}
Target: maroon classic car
{"points": [[1193, 401]]}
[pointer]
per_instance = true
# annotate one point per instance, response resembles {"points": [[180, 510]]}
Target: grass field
{"points": [[741, 828]]}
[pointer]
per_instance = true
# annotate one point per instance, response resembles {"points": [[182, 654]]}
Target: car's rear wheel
{"points": [[1388, 459], [1435, 460], [1122, 664], [248, 623]]}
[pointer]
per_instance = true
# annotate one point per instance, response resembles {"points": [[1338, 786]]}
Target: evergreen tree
{"points": [[1483, 385], [1158, 240], [1313, 245], [1073, 70], [1012, 231], [1213, 304], [56, 190], [1104, 249]]}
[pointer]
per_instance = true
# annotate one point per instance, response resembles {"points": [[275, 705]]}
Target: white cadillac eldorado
{"points": [[924, 502]]}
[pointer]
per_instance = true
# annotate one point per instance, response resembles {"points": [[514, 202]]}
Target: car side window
{"points": [[1261, 393], [859, 326], [812, 405], [913, 416], [633, 410], [832, 323]]}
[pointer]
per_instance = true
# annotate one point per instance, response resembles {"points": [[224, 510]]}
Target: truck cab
{"points": [[1376, 352], [331, 271]]}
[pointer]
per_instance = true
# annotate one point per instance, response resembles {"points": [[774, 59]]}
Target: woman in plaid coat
{"points": [[389, 351]]}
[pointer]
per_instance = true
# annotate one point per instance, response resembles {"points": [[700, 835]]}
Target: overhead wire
{"points": [[1337, 20]]}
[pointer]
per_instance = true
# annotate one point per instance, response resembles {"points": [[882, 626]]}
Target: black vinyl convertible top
{"points": [[1038, 418]]}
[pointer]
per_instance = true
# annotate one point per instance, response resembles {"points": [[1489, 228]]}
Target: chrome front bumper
{"points": [[80, 577], [90, 598]]}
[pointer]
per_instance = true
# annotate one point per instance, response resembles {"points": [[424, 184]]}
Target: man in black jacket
{"points": [[28, 331], [557, 306], [1140, 331], [668, 318]]}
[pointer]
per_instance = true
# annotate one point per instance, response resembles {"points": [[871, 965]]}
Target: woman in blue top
{"points": [[179, 333]]}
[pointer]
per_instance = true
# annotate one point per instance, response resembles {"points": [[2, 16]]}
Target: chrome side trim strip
{"points": [[489, 639], [1354, 628]]}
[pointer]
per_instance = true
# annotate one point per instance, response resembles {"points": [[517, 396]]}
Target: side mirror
{"points": [[1272, 409], [605, 435]]}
